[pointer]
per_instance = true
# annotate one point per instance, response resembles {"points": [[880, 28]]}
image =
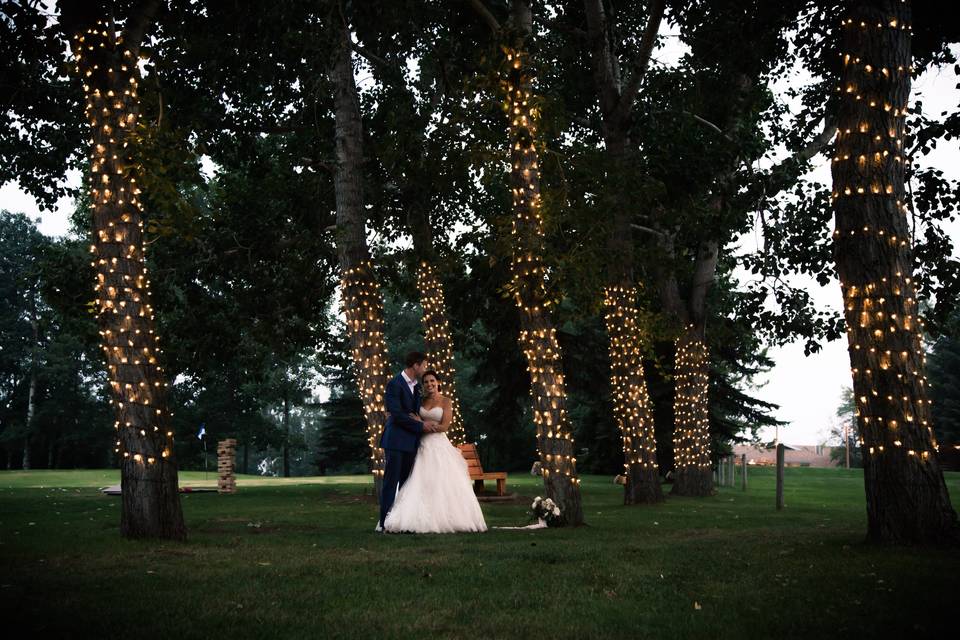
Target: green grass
{"points": [[298, 558]]}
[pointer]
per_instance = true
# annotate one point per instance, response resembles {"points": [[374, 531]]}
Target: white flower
{"points": [[556, 511], [536, 503], [549, 504]]}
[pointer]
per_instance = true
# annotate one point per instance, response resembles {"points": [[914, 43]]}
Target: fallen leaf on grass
{"points": [[264, 564], [696, 605]]}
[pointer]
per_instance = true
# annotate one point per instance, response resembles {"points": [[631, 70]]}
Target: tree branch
{"points": [[787, 171], [141, 16], [491, 21], [654, 232], [375, 60], [706, 122], [642, 62], [603, 61]]}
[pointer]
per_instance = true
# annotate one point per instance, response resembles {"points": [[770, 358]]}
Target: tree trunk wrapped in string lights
{"points": [[617, 91], [439, 346], [361, 297], [630, 398], [363, 309], [907, 500], [151, 503], [538, 338], [691, 436]]}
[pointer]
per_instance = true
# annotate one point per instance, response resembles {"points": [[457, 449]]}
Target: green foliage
{"points": [[46, 331], [943, 370]]}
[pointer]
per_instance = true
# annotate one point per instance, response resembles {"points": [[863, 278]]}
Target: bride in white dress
{"points": [[438, 496]]}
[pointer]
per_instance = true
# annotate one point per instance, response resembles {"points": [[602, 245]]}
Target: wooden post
{"points": [[733, 469], [780, 454], [743, 464]]}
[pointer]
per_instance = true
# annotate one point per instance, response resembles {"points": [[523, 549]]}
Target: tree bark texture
{"points": [[538, 337], [631, 401], [438, 342], [907, 500], [151, 503], [286, 432], [31, 401], [691, 408], [360, 291], [691, 435]]}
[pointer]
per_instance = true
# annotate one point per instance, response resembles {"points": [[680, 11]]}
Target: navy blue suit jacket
{"points": [[402, 433]]}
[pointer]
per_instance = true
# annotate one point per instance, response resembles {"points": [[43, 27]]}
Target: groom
{"points": [[401, 435]]}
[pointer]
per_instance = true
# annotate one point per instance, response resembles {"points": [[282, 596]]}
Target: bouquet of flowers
{"points": [[546, 511]]}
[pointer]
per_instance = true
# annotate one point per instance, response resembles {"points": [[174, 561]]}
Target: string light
{"points": [[691, 434], [124, 313], [538, 338], [363, 308], [629, 387], [884, 331], [436, 329]]}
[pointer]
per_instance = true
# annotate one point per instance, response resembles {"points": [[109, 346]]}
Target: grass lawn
{"points": [[297, 558]]}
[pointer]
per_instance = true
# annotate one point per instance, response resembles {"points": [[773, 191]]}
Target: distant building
{"points": [[794, 455]]}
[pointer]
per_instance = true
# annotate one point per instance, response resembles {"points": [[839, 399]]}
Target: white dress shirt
{"points": [[411, 382]]}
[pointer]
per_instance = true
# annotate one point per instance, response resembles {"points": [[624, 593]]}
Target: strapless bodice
{"points": [[435, 414]]}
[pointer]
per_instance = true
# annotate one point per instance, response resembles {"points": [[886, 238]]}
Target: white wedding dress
{"points": [[438, 495]]}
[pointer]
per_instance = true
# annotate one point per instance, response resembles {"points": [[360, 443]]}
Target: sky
{"points": [[806, 388]]}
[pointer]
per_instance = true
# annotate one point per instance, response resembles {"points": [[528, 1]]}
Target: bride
{"points": [[438, 496]]}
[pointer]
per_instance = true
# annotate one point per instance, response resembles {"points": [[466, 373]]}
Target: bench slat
{"points": [[475, 469]]}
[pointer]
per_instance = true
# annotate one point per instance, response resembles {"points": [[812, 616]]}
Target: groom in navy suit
{"points": [[401, 435]]}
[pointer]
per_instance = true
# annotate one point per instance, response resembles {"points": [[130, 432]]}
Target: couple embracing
{"points": [[426, 486]]}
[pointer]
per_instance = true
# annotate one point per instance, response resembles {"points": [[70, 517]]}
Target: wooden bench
{"points": [[477, 474]]}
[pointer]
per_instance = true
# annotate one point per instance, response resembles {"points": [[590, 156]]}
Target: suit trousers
{"points": [[396, 469]]}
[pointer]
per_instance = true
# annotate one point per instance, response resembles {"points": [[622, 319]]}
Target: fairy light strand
{"points": [[691, 436], [363, 309], [628, 383], [436, 329], [884, 330], [538, 338], [110, 77]]}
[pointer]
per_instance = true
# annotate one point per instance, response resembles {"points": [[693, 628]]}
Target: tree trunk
{"points": [[538, 338], [631, 402], [246, 458], [25, 461], [151, 503], [362, 302], [31, 393], [438, 342], [286, 434], [907, 500], [691, 433]]}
